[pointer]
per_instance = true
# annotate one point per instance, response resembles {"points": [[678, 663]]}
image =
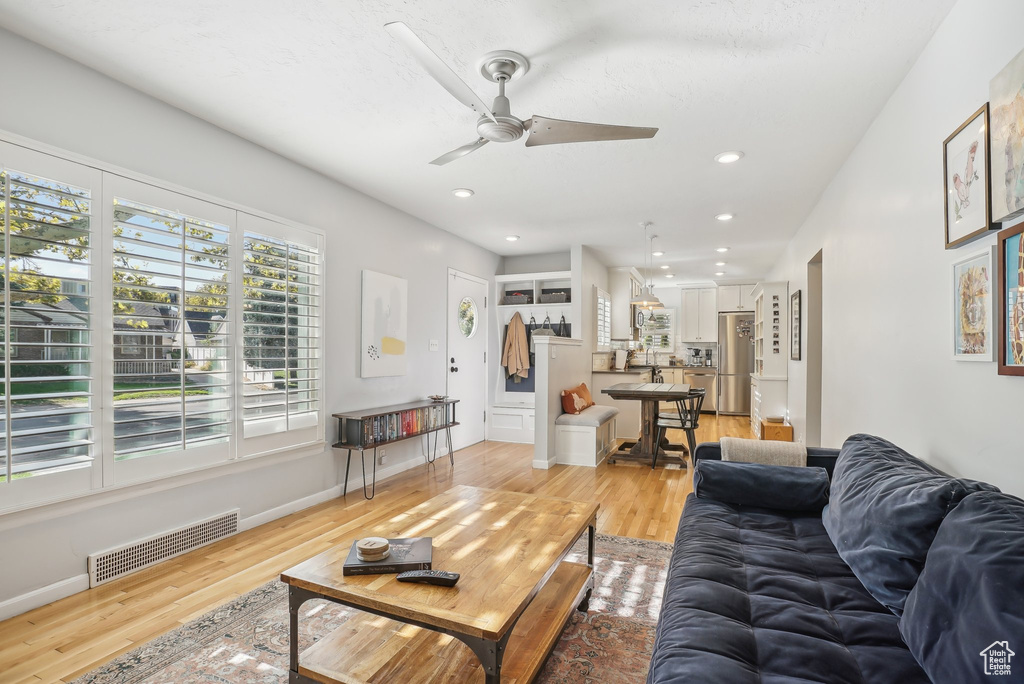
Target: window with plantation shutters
{"points": [[281, 333], [658, 330], [171, 323], [46, 420], [604, 320]]}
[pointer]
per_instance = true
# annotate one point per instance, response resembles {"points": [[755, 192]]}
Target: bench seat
{"points": [[585, 438]]}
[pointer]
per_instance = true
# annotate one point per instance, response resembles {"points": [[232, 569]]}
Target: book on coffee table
{"points": [[412, 553]]}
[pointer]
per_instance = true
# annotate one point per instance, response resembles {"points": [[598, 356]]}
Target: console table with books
{"points": [[371, 429]]}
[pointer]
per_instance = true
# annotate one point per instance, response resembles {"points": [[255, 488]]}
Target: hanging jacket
{"points": [[516, 355]]}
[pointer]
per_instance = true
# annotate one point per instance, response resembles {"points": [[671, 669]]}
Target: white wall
{"points": [[536, 263], [559, 363], [588, 272], [887, 365], [64, 104]]}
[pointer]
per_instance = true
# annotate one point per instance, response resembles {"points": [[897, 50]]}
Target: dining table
{"points": [[650, 395]]}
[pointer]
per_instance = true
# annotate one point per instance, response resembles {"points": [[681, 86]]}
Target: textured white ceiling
{"points": [[793, 83]]}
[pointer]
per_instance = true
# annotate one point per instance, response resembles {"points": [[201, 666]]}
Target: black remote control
{"points": [[438, 577]]}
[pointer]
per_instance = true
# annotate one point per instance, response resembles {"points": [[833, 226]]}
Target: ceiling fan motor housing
{"points": [[505, 127]]}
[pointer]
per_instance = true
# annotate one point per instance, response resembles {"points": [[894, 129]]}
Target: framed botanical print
{"points": [[973, 320], [965, 156], [1006, 101], [1011, 300], [794, 324]]}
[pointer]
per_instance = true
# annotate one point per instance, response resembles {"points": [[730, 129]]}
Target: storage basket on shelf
{"points": [[517, 299], [554, 298]]}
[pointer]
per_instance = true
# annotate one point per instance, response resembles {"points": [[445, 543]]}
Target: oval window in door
{"points": [[467, 317]]}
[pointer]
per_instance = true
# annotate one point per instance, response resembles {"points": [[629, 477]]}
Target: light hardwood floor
{"points": [[67, 638]]}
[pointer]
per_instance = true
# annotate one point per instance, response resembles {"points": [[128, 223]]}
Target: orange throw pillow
{"points": [[585, 393], [576, 399]]}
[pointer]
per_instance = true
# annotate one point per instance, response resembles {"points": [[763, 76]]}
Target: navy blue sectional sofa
{"points": [[867, 567]]}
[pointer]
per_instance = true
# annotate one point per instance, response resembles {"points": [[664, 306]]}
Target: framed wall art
{"points": [[383, 334], [1011, 300], [965, 156], [973, 320], [1006, 106], [794, 324]]}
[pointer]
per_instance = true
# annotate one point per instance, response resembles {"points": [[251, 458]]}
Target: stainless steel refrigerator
{"points": [[735, 362]]}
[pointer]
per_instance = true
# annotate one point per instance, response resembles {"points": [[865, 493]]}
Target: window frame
{"points": [[104, 476]]}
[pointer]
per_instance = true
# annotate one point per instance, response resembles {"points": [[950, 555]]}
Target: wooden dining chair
{"points": [[687, 419]]}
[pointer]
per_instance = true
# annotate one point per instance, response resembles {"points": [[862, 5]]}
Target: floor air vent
{"points": [[109, 565]]}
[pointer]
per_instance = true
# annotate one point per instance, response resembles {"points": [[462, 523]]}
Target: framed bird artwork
{"points": [[965, 158]]}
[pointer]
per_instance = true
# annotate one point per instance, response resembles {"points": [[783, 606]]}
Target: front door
{"points": [[466, 358]]}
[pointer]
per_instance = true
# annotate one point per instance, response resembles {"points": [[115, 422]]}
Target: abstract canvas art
{"points": [[1006, 108], [1011, 301], [972, 308], [965, 156], [384, 325]]}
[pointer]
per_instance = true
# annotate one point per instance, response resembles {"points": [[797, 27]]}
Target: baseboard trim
{"points": [[272, 514], [43, 595]]}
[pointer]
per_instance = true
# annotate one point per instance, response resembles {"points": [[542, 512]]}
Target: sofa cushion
{"points": [[595, 416], [885, 507], [755, 596], [768, 486], [971, 592]]}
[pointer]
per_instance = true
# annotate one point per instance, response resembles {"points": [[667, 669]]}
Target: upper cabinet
{"points": [[735, 297], [698, 321], [625, 284]]}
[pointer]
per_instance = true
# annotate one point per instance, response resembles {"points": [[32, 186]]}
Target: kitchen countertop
{"points": [[631, 371]]}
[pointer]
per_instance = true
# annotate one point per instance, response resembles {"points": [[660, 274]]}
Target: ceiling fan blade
{"points": [[440, 71], [459, 152], [544, 131]]}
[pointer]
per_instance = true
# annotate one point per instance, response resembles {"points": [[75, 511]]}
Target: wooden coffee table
{"points": [[515, 594]]}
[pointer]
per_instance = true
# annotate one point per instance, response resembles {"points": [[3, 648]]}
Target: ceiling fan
{"points": [[496, 123]]}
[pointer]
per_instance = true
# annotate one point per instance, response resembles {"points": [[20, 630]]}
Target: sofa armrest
{"points": [[785, 488], [817, 457]]}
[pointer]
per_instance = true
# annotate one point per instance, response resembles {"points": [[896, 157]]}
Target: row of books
{"points": [[397, 425]]}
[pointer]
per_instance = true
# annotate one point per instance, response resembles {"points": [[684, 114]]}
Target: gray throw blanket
{"points": [[768, 452]]}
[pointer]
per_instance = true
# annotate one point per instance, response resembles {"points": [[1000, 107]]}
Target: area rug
{"points": [[246, 641]]}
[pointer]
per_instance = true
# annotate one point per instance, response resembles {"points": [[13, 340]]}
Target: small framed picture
{"points": [[973, 323], [1011, 300], [794, 319], [966, 189]]}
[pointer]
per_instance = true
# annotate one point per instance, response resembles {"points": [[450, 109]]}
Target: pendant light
{"points": [[646, 299]]}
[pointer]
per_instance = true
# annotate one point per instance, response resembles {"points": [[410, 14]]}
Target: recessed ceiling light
{"points": [[728, 157], [462, 192], [719, 263], [511, 238], [669, 275], [720, 273], [657, 254], [722, 249], [664, 266], [724, 217]]}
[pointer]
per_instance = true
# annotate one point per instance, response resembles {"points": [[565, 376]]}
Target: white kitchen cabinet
{"points": [[735, 297], [746, 298], [707, 315], [699, 319]]}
